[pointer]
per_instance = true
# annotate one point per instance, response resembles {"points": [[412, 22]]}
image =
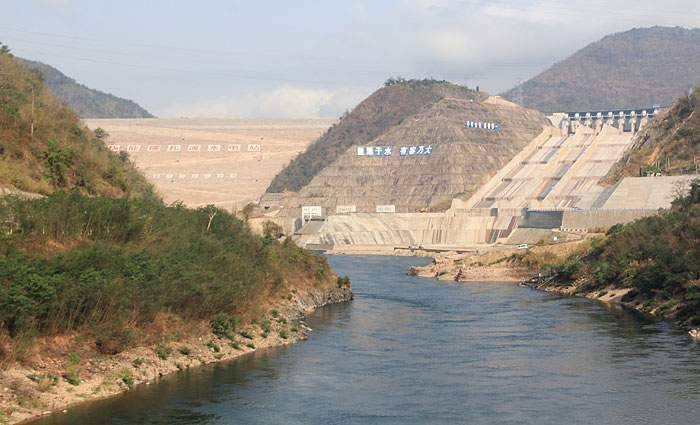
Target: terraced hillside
{"points": [[425, 160], [633, 69], [385, 108]]}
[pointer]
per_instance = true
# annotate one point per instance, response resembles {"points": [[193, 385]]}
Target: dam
{"points": [[549, 189]]}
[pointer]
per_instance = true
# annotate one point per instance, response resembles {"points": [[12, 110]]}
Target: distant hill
{"points": [[632, 69], [669, 144], [383, 109], [45, 147], [87, 102]]}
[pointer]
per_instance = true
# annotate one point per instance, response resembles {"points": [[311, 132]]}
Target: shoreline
{"points": [[23, 399], [610, 295]]}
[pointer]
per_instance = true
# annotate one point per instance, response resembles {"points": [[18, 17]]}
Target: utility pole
{"points": [[31, 131]]}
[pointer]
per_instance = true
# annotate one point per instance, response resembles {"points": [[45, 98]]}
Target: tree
{"points": [[100, 133]]}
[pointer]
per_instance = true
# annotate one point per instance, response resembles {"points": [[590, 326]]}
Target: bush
{"points": [[283, 334], [213, 347], [184, 351], [223, 325], [343, 281], [163, 352]]}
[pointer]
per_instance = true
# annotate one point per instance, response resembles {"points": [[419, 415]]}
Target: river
{"points": [[412, 350]]}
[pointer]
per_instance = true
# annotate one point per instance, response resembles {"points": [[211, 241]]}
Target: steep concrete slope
{"points": [[449, 158]]}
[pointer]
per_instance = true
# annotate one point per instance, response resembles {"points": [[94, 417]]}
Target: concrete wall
{"points": [[542, 220], [586, 219]]}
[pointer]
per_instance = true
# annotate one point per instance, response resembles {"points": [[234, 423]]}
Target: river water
{"points": [[413, 350]]}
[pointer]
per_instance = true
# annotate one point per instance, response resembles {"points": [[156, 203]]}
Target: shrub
{"points": [[223, 325], [213, 347], [137, 362], [250, 345], [163, 352], [184, 351], [283, 334]]}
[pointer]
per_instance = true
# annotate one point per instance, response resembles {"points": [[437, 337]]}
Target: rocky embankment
{"points": [[487, 267], [54, 383], [622, 296]]}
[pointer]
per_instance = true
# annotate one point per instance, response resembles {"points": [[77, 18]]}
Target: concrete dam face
{"points": [[551, 183]]}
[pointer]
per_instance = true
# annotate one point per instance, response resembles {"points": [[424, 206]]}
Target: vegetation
{"points": [[45, 147], [633, 69], [655, 257], [109, 267], [385, 108], [87, 102], [670, 144]]}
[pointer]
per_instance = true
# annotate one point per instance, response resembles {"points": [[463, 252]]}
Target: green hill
{"points": [[669, 144], [45, 147], [87, 102], [632, 69], [385, 108]]}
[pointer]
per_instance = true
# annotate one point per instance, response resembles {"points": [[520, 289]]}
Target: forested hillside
{"points": [[87, 102], [385, 108], [632, 69], [107, 267], [670, 144], [45, 147], [654, 258]]}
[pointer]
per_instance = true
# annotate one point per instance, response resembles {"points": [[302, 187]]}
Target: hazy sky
{"points": [[260, 58]]}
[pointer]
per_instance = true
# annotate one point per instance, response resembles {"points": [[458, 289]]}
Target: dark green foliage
{"points": [[223, 324], [163, 352], [127, 261], [213, 347], [343, 281], [184, 351], [656, 256]]}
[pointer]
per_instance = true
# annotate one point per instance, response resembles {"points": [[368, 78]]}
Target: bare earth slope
{"points": [[633, 69], [222, 177]]}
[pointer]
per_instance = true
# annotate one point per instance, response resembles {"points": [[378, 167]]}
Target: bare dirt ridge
{"points": [[30, 391]]}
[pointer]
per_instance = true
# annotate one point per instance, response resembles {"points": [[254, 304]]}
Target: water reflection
{"points": [[412, 350]]}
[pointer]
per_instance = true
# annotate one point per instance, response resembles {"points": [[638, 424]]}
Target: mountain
{"points": [[87, 102], [45, 147], [669, 144], [383, 109], [632, 69], [408, 146]]}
